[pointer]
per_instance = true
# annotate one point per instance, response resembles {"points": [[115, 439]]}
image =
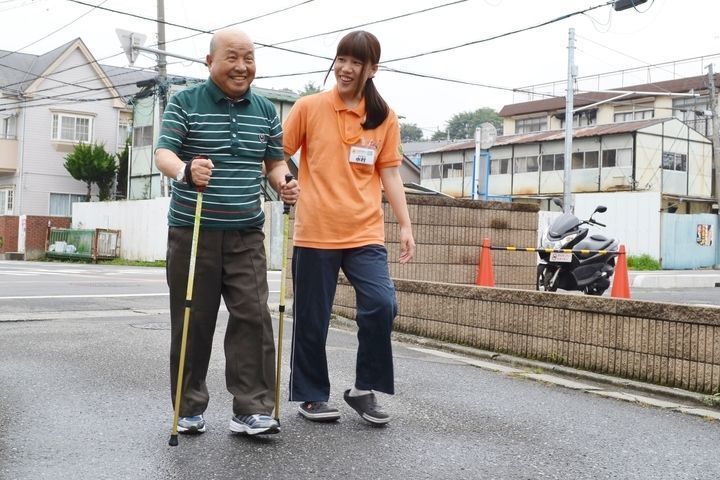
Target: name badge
{"points": [[363, 155]]}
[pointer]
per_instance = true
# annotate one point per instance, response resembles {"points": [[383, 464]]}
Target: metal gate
{"points": [[99, 243]]}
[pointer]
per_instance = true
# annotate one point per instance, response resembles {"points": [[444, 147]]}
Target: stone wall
{"points": [[665, 344], [449, 232]]}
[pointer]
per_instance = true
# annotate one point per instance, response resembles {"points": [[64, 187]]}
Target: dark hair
{"points": [[364, 46]]}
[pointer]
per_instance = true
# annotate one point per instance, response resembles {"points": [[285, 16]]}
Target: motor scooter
{"points": [[589, 273]]}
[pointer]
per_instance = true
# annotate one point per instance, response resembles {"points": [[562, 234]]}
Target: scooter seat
{"points": [[602, 242]]}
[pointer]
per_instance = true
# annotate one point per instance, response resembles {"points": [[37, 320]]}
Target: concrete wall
{"points": [[142, 224], [673, 345]]}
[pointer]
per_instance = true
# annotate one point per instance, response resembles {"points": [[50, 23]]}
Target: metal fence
{"points": [[99, 243]]}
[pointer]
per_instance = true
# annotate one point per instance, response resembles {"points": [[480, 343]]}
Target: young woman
{"points": [[350, 152]]}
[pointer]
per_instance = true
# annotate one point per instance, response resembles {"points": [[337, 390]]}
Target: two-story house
{"points": [[48, 104], [641, 141]]}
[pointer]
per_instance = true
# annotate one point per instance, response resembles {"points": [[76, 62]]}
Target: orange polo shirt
{"points": [[340, 204]]}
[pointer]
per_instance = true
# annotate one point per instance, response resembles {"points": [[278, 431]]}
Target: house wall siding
{"points": [[43, 170]]}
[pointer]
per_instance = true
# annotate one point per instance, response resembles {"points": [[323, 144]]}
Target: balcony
{"points": [[8, 155]]}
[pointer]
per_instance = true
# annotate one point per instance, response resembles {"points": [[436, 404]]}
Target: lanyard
{"points": [[341, 130]]}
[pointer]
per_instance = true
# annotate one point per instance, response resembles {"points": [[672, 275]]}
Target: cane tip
{"points": [[173, 441]]}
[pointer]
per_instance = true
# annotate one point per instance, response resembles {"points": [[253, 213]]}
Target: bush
{"points": [[642, 262]]}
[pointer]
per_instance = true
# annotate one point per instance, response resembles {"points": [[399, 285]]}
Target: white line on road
{"points": [[99, 295]]}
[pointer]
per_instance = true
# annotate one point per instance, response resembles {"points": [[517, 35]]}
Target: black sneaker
{"points": [[319, 412], [366, 406]]}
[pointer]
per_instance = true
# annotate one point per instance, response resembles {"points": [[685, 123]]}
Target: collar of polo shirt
{"points": [[218, 94]]}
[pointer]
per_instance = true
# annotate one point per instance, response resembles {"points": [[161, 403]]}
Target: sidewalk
{"points": [[674, 278], [623, 389]]}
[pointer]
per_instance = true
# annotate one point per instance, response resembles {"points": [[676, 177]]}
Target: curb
{"points": [[675, 399]]}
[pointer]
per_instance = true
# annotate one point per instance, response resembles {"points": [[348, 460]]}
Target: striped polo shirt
{"points": [[237, 136]]}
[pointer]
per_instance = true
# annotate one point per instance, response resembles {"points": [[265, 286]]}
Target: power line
{"points": [[619, 52], [59, 71], [54, 31], [495, 37], [154, 20], [71, 101], [382, 63], [329, 58], [243, 21], [64, 96], [374, 22]]}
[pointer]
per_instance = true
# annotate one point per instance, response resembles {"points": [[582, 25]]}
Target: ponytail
{"points": [[376, 109]]}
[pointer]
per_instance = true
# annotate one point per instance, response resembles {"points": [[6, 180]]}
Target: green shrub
{"points": [[642, 262], [133, 263]]}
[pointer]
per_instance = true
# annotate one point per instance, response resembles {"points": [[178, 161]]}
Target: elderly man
{"points": [[217, 136]]}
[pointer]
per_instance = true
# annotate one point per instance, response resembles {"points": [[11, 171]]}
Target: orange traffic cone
{"points": [[484, 275], [621, 283]]}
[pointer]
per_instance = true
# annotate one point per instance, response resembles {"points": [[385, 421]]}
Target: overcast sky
{"points": [[657, 31]]}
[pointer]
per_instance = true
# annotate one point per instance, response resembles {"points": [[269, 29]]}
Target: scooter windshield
{"points": [[564, 224]]}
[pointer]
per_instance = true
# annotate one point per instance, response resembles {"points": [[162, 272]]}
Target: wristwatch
{"points": [[180, 176]]}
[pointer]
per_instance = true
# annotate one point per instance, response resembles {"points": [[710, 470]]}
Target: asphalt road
{"points": [[84, 395]]}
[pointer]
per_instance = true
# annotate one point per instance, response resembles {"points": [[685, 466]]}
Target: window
{"points": [[634, 112], [581, 160], [695, 112], [552, 162], [499, 166], [124, 131], [452, 170], [430, 172], [617, 158], [67, 127], [584, 118], [591, 159], [527, 125], [674, 161], [8, 129], [526, 164], [6, 201], [61, 203], [548, 163], [143, 136]]}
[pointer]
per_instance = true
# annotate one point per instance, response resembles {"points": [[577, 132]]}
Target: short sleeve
{"points": [[174, 127], [390, 155], [295, 127], [274, 150]]}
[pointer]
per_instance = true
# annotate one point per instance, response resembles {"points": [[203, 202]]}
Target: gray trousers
{"points": [[230, 264]]}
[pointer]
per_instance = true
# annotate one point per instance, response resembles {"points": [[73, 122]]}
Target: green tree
{"points": [[309, 89], [462, 125], [439, 135], [90, 163], [410, 132], [123, 161]]}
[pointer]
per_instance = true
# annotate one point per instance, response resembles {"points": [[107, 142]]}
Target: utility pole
{"points": [[162, 84], [161, 58], [569, 104], [716, 155]]}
